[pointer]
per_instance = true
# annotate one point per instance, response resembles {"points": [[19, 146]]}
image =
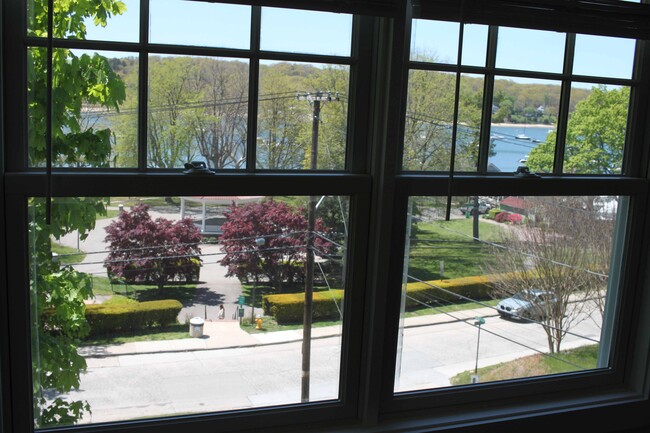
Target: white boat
{"points": [[523, 160], [522, 137]]}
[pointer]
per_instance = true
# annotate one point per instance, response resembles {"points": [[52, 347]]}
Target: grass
{"points": [[535, 365], [450, 308], [450, 241], [68, 255], [144, 292], [270, 325], [172, 332]]}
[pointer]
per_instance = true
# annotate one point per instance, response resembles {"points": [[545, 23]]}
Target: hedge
{"points": [[290, 307], [104, 319]]}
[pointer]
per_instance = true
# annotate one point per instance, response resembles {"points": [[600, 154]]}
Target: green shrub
{"points": [[289, 307], [122, 317], [453, 290], [492, 213]]}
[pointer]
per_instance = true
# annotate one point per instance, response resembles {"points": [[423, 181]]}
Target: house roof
{"points": [[517, 202], [223, 199]]}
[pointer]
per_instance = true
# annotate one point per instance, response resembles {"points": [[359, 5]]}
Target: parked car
{"points": [[483, 207], [527, 304]]}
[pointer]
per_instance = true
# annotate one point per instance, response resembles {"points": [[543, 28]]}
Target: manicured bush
{"points": [[110, 318], [492, 213], [289, 307]]}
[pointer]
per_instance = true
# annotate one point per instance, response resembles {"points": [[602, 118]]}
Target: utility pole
{"points": [[315, 99]]}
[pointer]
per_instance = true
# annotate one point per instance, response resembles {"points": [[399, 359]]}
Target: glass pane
{"points": [[524, 117], [469, 122], [429, 119], [596, 130], [434, 41], [509, 287], [108, 20], [306, 32], [603, 56], [160, 306], [197, 112], [302, 106], [530, 50], [475, 44], [94, 111], [122, 25], [200, 24]]}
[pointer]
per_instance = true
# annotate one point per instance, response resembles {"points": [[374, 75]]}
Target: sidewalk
{"points": [[228, 335]]}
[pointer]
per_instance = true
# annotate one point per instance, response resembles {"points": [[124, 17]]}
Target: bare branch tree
{"points": [[561, 253]]}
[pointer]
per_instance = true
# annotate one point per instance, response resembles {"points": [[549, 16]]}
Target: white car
{"points": [[527, 304]]}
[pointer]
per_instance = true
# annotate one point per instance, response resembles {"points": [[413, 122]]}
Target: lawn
{"points": [[144, 292], [535, 365], [451, 242], [67, 255]]}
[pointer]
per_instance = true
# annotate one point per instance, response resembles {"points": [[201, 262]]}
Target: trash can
{"points": [[196, 327]]}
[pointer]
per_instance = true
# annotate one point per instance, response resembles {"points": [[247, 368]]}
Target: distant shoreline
{"points": [[524, 125]]}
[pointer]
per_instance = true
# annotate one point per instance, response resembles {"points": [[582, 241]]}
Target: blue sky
{"points": [[222, 25]]}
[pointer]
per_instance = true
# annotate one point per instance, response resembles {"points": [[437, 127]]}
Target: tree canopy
{"points": [[58, 293], [595, 136], [267, 241]]}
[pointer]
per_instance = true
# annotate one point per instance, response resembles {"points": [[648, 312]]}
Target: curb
{"points": [[243, 346]]}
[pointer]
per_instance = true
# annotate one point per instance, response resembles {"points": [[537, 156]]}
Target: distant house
{"points": [[515, 205], [212, 226]]}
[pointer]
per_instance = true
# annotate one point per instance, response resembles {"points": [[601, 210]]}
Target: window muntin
{"points": [[460, 273], [530, 50], [302, 105], [592, 52], [197, 111], [430, 116], [200, 24], [175, 262], [307, 32], [524, 114]]}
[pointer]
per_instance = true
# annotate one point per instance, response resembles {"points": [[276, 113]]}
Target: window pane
{"points": [[510, 287], [200, 24], [94, 111], [123, 24], [475, 44], [530, 50], [434, 41], [603, 56], [524, 117], [197, 111], [302, 104], [153, 306], [596, 130], [115, 20], [469, 122], [306, 32]]}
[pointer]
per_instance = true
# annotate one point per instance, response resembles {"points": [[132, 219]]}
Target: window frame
{"points": [[379, 192]]}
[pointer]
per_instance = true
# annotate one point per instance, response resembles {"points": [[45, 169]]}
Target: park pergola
{"points": [[216, 200]]}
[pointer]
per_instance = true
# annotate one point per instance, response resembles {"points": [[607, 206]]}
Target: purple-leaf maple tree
{"points": [[280, 258], [143, 250]]}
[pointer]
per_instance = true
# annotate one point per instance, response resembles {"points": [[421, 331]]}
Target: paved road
{"points": [[267, 372]]}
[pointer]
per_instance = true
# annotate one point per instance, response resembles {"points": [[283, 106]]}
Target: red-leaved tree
{"points": [[143, 250], [280, 256]]}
